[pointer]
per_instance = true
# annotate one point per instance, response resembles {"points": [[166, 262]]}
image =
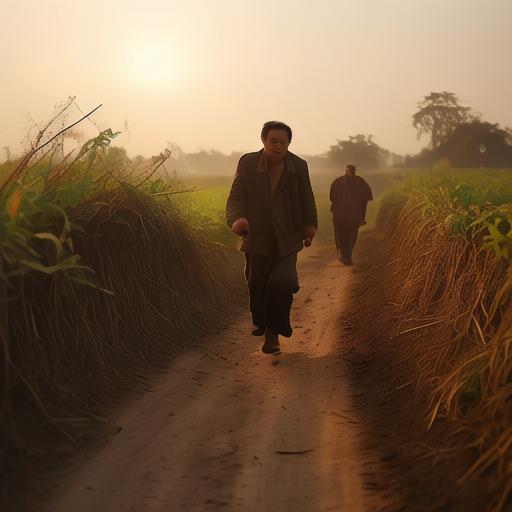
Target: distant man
{"points": [[272, 207], [349, 197]]}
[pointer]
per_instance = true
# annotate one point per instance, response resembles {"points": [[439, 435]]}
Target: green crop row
{"points": [[469, 203]]}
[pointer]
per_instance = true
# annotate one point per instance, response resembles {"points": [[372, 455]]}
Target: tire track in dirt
{"points": [[208, 433]]}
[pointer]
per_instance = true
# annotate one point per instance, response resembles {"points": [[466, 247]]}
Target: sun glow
{"points": [[153, 63]]}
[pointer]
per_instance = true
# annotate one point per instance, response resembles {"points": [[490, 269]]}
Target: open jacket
{"points": [[277, 220]]}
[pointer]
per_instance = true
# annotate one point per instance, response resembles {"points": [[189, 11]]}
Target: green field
{"points": [[205, 207], [466, 203]]}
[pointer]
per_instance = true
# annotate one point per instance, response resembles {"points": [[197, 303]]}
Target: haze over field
{"points": [[206, 74]]}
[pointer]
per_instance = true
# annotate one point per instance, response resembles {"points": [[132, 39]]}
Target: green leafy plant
{"points": [[494, 226]]}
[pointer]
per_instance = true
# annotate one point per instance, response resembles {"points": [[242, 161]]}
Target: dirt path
{"points": [[216, 431]]}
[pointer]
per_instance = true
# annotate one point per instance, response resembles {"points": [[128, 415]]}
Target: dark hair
{"points": [[275, 125], [351, 167]]}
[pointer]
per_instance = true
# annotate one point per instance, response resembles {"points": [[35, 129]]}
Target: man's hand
{"points": [[241, 227], [308, 234]]}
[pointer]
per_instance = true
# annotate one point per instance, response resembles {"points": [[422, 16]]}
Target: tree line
{"points": [[454, 132]]}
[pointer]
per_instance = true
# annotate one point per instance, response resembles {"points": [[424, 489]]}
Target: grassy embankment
{"points": [[445, 244], [101, 278]]}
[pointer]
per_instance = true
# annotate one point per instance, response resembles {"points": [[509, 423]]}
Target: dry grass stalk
{"points": [[467, 360]]}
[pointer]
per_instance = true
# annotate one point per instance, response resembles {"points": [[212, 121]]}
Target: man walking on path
{"points": [[349, 197], [272, 207]]}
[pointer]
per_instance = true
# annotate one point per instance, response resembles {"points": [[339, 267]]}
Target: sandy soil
{"points": [[229, 427]]}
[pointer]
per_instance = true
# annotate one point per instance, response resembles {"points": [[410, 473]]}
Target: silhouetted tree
{"points": [[477, 144], [472, 144], [438, 115], [360, 150]]}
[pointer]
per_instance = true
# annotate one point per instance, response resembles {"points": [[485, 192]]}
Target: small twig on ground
{"points": [[340, 415], [408, 383], [299, 452]]}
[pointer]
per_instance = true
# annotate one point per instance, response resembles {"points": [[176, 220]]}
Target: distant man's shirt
{"points": [[349, 196]]}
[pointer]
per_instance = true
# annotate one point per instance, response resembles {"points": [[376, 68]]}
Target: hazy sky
{"points": [[207, 74]]}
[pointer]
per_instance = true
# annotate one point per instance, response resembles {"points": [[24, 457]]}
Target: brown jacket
{"points": [[280, 218]]}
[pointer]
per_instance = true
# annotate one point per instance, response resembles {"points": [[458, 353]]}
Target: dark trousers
{"points": [[345, 234], [272, 281]]}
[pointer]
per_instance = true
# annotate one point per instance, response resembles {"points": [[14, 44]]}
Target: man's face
{"points": [[349, 171], [276, 145]]}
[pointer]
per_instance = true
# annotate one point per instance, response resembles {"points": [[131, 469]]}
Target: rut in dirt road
{"points": [[231, 427]]}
